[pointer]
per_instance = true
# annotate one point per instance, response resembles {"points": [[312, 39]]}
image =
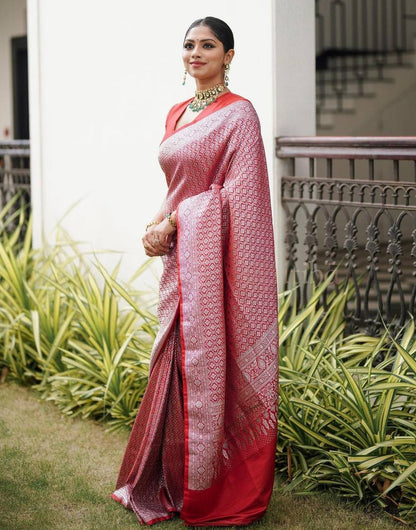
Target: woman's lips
{"points": [[195, 65]]}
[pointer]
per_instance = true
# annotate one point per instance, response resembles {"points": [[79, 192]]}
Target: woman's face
{"points": [[204, 58]]}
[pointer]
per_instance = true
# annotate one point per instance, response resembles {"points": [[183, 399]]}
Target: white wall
{"points": [[103, 75], [12, 24], [294, 107]]}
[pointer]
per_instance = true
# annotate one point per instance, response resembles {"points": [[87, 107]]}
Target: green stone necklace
{"points": [[203, 98]]}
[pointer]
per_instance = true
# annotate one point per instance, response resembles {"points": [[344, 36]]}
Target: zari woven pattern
{"points": [[219, 287]]}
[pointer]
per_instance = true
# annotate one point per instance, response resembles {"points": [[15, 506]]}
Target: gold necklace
{"points": [[203, 98]]}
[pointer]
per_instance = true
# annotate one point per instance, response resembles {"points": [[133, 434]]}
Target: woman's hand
{"points": [[158, 238]]}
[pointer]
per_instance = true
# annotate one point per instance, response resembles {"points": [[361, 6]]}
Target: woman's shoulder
{"points": [[174, 113], [236, 107], [243, 109], [230, 98], [244, 102], [178, 107]]}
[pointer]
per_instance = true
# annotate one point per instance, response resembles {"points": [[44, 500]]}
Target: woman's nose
{"points": [[196, 51]]}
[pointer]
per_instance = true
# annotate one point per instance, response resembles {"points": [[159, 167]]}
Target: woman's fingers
{"points": [[150, 249], [153, 246], [157, 240], [160, 240]]}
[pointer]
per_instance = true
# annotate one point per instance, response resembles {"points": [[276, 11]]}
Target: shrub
{"points": [[347, 407], [70, 329], [347, 401]]}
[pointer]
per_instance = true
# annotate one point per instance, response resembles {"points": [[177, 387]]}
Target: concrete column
{"points": [[36, 120], [294, 89]]}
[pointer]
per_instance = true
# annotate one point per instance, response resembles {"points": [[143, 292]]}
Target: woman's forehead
{"points": [[200, 32]]}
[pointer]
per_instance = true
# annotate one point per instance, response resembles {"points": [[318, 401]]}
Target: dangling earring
{"points": [[226, 74], [184, 78]]}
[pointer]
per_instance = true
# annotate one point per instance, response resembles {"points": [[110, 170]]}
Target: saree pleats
{"points": [[151, 476]]}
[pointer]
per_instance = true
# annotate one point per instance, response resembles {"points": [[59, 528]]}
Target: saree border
{"points": [[184, 379]]}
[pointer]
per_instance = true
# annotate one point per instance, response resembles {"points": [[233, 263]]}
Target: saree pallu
{"points": [[203, 444]]}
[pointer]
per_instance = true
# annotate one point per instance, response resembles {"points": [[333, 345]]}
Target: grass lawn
{"points": [[58, 472]]}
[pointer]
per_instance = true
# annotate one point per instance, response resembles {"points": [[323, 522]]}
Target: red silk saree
{"points": [[203, 443]]}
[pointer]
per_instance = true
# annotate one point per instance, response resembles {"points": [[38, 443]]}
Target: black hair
{"points": [[219, 28]]}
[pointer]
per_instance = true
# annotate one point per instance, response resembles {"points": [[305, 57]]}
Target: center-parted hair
{"points": [[219, 28]]}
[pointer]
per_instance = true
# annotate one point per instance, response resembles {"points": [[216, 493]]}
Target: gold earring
{"points": [[226, 74], [184, 78]]}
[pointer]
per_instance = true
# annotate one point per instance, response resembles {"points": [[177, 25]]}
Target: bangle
{"points": [[171, 221], [151, 224]]}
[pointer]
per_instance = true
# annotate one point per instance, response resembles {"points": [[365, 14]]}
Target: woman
{"points": [[203, 443]]}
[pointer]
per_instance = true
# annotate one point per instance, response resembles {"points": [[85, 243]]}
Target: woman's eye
{"points": [[208, 45], [188, 46]]}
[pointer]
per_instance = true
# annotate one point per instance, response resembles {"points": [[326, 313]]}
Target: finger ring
{"points": [[156, 240]]}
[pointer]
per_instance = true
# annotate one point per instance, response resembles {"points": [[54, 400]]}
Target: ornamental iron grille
{"points": [[350, 206], [15, 176]]}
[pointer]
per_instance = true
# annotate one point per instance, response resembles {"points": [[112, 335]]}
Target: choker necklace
{"points": [[203, 98]]}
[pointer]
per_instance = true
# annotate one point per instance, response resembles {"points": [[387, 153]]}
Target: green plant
{"points": [[83, 339], [347, 419], [68, 327]]}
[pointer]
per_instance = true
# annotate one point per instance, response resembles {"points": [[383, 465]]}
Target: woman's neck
{"points": [[201, 85]]}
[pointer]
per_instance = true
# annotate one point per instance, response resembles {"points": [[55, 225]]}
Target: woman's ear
{"points": [[229, 56]]}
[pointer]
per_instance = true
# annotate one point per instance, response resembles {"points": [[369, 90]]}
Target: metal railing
{"points": [[356, 42], [15, 173], [350, 207]]}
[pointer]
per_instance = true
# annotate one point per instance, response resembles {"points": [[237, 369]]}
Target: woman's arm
{"points": [[159, 215]]}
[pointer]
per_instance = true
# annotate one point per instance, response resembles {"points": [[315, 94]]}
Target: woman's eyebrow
{"points": [[202, 40]]}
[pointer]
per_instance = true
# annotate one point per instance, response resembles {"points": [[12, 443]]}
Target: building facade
{"points": [[103, 75]]}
